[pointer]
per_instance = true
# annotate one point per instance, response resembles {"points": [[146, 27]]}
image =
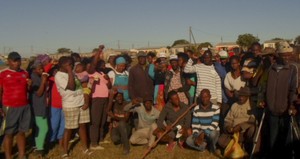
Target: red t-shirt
{"points": [[56, 100], [14, 85]]}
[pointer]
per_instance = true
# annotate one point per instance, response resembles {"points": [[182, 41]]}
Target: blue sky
{"points": [[41, 26]]}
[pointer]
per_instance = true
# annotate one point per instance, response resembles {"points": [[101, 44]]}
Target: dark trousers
{"points": [[98, 119], [279, 126], [120, 134]]}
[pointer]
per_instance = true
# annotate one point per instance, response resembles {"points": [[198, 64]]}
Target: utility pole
{"points": [[148, 44], [79, 50], [191, 35], [221, 39], [118, 44]]}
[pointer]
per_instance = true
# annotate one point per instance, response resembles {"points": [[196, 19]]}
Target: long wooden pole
{"points": [[166, 131]]}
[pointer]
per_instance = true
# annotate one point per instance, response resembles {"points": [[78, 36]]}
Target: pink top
{"points": [[101, 90]]}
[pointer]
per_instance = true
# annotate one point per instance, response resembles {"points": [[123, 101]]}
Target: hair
{"points": [[75, 55], [190, 51], [198, 99], [86, 60], [171, 94], [53, 69], [184, 56], [152, 54], [255, 44], [65, 59], [127, 58], [234, 57]]}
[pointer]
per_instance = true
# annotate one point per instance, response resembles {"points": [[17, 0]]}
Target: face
{"points": [[256, 50], [119, 98], [39, 70], [205, 98], [79, 68], [149, 59], [121, 67], [111, 59], [66, 65], [224, 61], [142, 60], [247, 75], [235, 64], [207, 59], [181, 62], [242, 99], [14, 64], [285, 56], [174, 64], [148, 105], [175, 100]]}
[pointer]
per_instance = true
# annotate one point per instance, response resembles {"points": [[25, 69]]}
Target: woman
{"points": [[233, 81], [119, 77]]}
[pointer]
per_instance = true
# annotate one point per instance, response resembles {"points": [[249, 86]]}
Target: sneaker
{"points": [[170, 147], [98, 147], [88, 152]]}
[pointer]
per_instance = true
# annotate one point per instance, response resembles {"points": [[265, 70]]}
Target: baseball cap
{"points": [[223, 54], [14, 56], [162, 55]]}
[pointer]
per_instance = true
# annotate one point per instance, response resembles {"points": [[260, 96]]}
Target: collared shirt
{"points": [[177, 83]]}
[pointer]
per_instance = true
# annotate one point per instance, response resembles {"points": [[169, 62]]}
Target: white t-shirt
{"points": [[233, 84], [70, 99], [112, 75]]}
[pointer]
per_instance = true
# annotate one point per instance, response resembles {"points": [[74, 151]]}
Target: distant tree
{"points": [[181, 41], [63, 50], [246, 40], [205, 44], [297, 40], [277, 38]]}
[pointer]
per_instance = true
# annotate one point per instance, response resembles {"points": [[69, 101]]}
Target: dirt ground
{"points": [[112, 151]]}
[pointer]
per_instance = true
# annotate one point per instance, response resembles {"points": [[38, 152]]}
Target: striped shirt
{"points": [[206, 120], [207, 78]]}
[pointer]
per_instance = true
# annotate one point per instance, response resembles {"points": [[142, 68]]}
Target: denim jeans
{"points": [[57, 121], [211, 139]]}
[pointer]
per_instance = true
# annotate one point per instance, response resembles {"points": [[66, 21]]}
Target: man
{"points": [[147, 122], [205, 124], [240, 118], [174, 81], [14, 85], [173, 109], [207, 77], [75, 109], [140, 84], [280, 94]]}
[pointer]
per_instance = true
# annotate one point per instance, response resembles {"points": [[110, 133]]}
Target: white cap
{"points": [[173, 57], [284, 47], [223, 54], [162, 54]]}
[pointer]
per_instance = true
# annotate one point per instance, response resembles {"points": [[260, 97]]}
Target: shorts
{"points": [[76, 116], [17, 119]]}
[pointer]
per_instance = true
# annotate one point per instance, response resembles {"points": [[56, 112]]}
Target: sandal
{"points": [[87, 152]]}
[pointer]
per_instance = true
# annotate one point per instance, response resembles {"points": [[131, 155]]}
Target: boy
{"points": [[14, 85], [75, 110]]}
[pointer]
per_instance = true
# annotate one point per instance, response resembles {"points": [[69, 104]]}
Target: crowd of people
{"points": [[208, 96]]}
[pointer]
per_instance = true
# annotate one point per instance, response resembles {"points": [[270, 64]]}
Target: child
{"points": [[14, 85], [39, 104], [75, 109], [57, 118]]}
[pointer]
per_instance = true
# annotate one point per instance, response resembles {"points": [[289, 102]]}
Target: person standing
{"points": [[100, 92], [14, 86], [207, 77], [280, 97], [174, 81], [76, 111], [39, 104], [140, 84]]}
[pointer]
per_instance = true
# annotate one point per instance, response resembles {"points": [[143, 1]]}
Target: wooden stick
{"points": [[166, 131]]}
